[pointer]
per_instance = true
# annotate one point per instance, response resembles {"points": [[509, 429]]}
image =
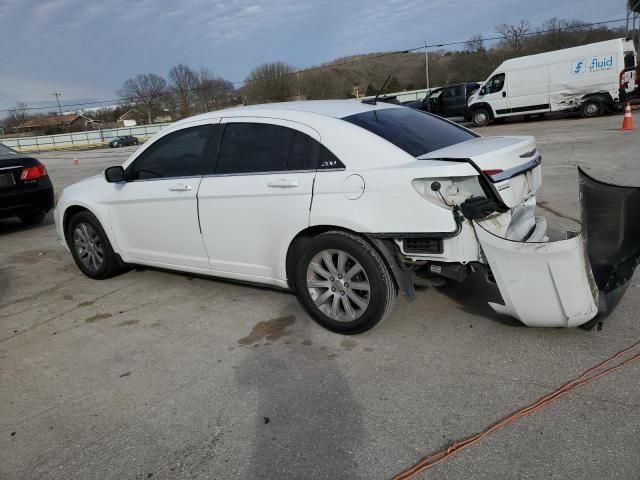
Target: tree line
{"points": [[186, 91]]}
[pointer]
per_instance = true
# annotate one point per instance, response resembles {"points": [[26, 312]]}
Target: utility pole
{"points": [[57, 95], [426, 63]]}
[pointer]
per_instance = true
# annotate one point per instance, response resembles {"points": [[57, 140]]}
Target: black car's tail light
{"points": [[33, 173]]}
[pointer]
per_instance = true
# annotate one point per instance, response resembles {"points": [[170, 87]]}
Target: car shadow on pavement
{"points": [[308, 423], [473, 296], [13, 225]]}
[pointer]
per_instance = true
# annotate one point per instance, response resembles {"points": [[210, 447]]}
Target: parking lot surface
{"points": [[155, 374]]}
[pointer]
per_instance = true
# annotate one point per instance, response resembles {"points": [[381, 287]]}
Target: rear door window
{"points": [[178, 154], [254, 148], [304, 152], [413, 131]]}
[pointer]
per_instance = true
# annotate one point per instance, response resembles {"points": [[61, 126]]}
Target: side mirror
{"points": [[483, 91], [114, 174]]}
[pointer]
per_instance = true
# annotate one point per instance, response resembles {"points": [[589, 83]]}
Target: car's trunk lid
{"points": [[510, 164]]}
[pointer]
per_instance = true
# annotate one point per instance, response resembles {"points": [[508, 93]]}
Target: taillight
{"points": [[33, 173], [493, 174], [623, 84]]}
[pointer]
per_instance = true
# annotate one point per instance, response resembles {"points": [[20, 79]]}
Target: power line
{"points": [[365, 58]]}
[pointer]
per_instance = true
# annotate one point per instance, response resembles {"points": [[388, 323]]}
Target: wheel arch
{"points": [[484, 105], [385, 250]]}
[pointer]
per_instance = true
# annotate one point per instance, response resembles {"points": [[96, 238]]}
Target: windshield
{"points": [[413, 131], [4, 150]]}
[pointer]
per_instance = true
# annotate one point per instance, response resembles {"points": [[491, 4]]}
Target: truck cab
{"points": [[449, 101]]}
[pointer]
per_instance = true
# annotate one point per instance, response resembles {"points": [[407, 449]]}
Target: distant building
{"points": [[72, 122], [133, 117]]}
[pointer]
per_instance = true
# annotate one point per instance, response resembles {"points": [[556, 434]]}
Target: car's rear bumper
{"points": [[39, 199], [570, 282]]}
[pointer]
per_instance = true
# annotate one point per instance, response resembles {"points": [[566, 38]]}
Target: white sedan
{"points": [[344, 202]]}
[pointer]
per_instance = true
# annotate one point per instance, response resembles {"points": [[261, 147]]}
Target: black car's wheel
{"points": [[115, 145], [32, 219], [591, 108], [91, 248], [343, 283], [481, 117]]}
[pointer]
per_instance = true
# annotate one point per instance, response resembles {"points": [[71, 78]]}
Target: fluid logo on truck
{"points": [[592, 65]]}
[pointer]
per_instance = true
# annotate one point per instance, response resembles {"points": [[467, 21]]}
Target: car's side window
{"points": [[495, 84], [254, 148], [179, 154], [304, 152]]}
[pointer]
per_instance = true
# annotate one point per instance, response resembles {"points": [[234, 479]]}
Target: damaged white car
{"points": [[348, 204]]}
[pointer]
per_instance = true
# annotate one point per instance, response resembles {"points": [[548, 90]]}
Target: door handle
{"points": [[283, 183], [180, 187], [504, 94]]}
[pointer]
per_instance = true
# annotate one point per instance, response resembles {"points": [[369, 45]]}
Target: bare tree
{"points": [[184, 81], [212, 92], [475, 43], [145, 90], [271, 82], [514, 34], [16, 115]]}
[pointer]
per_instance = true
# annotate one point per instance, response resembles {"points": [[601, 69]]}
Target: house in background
{"points": [[133, 117], [72, 122]]}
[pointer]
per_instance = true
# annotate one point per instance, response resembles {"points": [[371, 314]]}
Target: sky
{"points": [[86, 49]]}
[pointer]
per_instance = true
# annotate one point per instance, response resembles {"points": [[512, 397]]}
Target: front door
{"points": [[495, 94], [258, 196], [154, 215]]}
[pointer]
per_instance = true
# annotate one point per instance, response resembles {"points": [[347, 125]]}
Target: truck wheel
{"points": [[591, 108], [481, 117], [343, 283]]}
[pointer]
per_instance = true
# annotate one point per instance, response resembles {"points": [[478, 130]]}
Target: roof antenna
{"points": [[374, 101]]}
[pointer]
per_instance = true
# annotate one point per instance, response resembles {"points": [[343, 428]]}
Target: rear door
{"points": [[258, 196], [454, 101]]}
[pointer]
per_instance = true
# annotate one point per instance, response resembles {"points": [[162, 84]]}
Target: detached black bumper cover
{"points": [[611, 228], [576, 281]]}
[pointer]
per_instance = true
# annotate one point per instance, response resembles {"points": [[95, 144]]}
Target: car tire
{"points": [[343, 283], [90, 247], [591, 108], [32, 219], [481, 117]]}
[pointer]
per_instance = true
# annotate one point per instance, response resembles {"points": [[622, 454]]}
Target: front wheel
{"points": [[480, 117], [91, 248], [343, 283]]}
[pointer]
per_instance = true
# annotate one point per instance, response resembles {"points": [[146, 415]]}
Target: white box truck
{"points": [[591, 79]]}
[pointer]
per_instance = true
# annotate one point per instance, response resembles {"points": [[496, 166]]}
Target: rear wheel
{"points": [[91, 248], [591, 108], [32, 219], [343, 283], [480, 117]]}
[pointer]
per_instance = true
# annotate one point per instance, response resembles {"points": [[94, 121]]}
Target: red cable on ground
{"points": [[588, 376]]}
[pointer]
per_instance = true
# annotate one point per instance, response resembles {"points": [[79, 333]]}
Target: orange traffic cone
{"points": [[627, 121]]}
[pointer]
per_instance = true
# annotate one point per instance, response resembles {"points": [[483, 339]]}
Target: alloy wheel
{"points": [[88, 246], [338, 285]]}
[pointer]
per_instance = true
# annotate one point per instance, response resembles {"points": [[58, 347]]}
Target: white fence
{"points": [[91, 138]]}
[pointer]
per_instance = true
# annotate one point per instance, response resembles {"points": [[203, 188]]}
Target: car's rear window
{"points": [[413, 131]]}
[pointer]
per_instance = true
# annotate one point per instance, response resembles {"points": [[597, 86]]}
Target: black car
{"points": [[449, 101], [124, 141], [25, 187]]}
